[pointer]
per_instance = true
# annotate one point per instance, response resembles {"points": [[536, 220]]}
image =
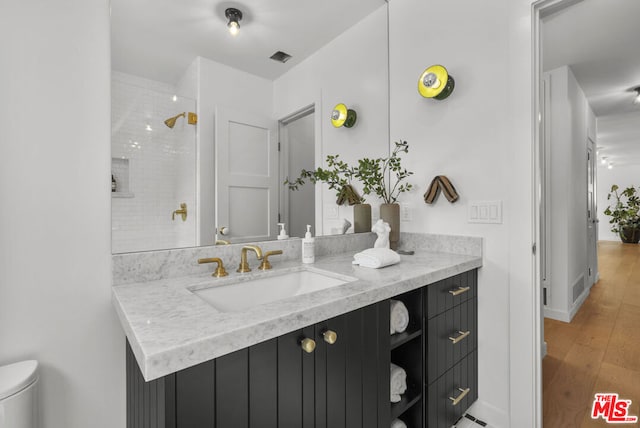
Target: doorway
{"points": [[572, 93], [297, 152]]}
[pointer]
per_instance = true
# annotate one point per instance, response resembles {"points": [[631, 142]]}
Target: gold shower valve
{"points": [[181, 212], [192, 118]]}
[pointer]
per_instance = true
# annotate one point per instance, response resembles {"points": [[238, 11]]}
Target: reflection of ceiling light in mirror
{"points": [[148, 127], [604, 160], [234, 16], [175, 98], [610, 166]]}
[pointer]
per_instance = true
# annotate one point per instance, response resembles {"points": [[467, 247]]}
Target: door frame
{"points": [[539, 10]]}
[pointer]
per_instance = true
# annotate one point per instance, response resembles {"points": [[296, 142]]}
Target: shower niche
{"points": [[120, 174]]}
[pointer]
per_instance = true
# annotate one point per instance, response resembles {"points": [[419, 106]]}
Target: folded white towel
{"points": [[376, 258], [397, 382], [397, 423], [399, 317]]}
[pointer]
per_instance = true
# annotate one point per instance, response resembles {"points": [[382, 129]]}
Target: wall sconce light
{"points": [[636, 100], [435, 82], [234, 16], [343, 116]]}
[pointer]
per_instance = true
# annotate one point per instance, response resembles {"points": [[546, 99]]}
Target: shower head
{"points": [[171, 122]]}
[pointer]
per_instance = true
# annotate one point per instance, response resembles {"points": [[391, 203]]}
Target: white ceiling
{"points": [[600, 41], [158, 39]]}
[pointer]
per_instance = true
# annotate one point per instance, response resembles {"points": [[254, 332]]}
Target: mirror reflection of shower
{"points": [[154, 166], [192, 119]]}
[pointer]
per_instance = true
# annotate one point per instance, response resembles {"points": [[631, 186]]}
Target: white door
{"points": [[592, 215], [246, 162]]}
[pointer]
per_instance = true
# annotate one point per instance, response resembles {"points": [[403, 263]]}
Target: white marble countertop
{"points": [[170, 328]]}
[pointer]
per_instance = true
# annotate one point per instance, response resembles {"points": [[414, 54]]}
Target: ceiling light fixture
{"points": [[637, 98], [610, 165], [604, 160], [234, 16]]}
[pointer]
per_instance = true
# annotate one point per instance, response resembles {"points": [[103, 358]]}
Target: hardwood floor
{"points": [[599, 351]]}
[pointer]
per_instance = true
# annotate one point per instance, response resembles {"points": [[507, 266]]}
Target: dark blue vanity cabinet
{"points": [[342, 383]]}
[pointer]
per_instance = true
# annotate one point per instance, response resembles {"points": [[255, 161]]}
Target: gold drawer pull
{"points": [[463, 334], [308, 345], [463, 393], [330, 336], [459, 291]]}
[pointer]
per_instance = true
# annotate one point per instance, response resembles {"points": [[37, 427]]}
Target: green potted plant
{"points": [[385, 177], [339, 176], [625, 218]]}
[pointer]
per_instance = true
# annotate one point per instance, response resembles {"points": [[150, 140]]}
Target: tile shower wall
{"points": [[154, 166]]}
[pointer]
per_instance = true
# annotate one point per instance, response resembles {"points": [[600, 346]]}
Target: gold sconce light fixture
{"points": [[343, 116], [436, 82]]}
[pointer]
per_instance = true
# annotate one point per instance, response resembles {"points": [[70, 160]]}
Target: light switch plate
{"points": [[485, 212], [331, 212], [406, 212]]}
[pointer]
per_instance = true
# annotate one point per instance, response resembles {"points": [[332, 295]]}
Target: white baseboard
{"points": [[556, 314], [578, 303], [495, 417]]}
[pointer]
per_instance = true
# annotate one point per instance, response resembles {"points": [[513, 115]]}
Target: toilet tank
{"points": [[18, 395]]}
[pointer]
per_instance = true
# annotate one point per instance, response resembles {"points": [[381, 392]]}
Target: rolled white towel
{"points": [[399, 317], [397, 382], [376, 258], [397, 423]]}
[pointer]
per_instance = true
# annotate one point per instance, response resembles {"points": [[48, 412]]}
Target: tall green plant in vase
{"points": [[339, 175], [386, 178], [625, 214]]}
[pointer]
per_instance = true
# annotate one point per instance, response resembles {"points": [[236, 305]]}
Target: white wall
{"points": [[351, 69], [55, 251], [464, 137], [571, 123], [622, 175], [221, 86]]}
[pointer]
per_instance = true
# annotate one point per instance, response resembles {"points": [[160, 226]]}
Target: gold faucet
{"points": [[265, 265], [244, 266], [220, 271]]}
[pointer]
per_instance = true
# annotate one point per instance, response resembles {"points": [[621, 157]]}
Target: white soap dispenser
{"points": [[283, 232], [308, 250]]}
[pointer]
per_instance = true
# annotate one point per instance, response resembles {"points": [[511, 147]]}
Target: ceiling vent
{"points": [[280, 57]]}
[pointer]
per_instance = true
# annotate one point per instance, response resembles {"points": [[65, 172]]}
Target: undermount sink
{"points": [[244, 294]]}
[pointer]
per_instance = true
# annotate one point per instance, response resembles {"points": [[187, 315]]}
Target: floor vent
{"points": [[578, 288]]}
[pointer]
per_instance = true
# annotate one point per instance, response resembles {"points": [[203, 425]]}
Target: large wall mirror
{"points": [[206, 126]]}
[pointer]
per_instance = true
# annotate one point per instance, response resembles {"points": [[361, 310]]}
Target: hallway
{"points": [[599, 351]]}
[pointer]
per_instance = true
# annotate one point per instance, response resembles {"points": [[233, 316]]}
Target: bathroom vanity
{"points": [[190, 365]]}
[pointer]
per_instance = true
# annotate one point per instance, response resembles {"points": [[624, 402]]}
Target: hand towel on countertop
{"points": [[376, 258], [397, 423], [397, 382], [399, 317]]}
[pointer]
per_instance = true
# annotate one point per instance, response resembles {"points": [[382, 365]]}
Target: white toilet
{"points": [[18, 396]]}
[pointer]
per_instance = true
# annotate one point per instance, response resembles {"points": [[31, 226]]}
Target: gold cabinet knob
{"points": [[308, 345], [330, 336]]}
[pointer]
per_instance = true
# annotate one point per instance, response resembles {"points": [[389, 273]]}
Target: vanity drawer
{"points": [[444, 402], [445, 294], [450, 337]]}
